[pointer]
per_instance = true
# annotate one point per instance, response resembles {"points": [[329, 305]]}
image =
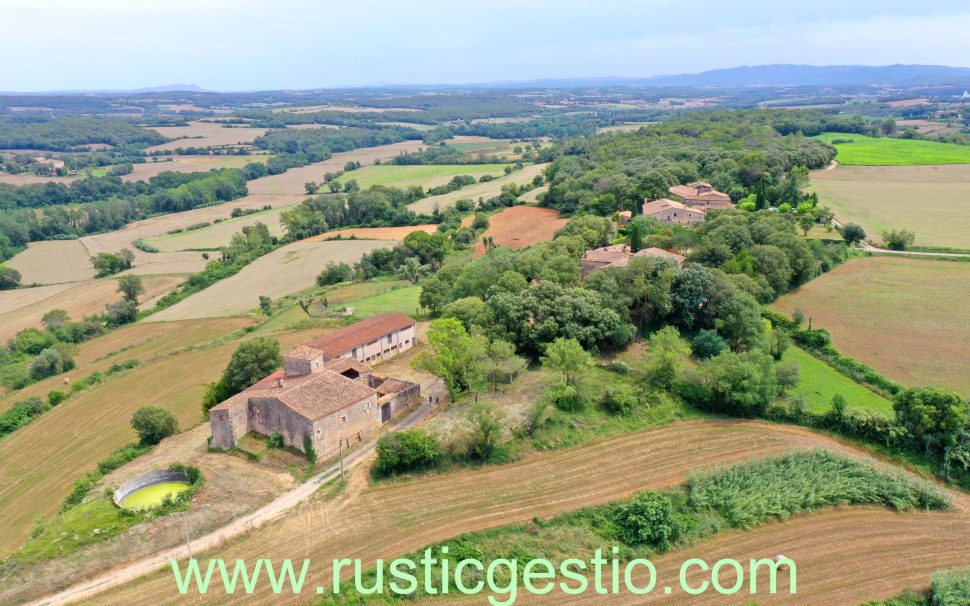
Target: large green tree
{"points": [[933, 416]]}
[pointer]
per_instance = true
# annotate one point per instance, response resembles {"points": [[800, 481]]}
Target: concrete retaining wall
{"points": [[147, 479]]}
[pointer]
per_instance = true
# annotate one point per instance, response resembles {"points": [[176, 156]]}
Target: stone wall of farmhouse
{"points": [[295, 368], [267, 415], [679, 217], [231, 424], [355, 424]]}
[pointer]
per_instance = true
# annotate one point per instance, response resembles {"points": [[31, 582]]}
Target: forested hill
{"points": [[734, 151]]}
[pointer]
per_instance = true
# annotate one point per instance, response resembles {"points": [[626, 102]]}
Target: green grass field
{"points": [[885, 151], [404, 300], [819, 382], [425, 175]]}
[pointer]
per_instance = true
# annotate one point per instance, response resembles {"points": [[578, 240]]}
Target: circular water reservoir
{"points": [[150, 489]]}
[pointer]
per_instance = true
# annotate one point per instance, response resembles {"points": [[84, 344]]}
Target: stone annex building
{"points": [[619, 255], [325, 391], [689, 205]]}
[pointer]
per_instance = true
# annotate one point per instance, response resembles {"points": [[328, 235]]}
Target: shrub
{"points": [[309, 450], [649, 520], [708, 344], [406, 451], [618, 367], [620, 400], [567, 398], [276, 440], [335, 273], [153, 424], [950, 588], [47, 364], [55, 397]]}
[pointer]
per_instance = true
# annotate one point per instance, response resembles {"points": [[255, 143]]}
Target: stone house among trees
{"points": [[671, 212], [324, 393], [619, 255], [700, 195]]}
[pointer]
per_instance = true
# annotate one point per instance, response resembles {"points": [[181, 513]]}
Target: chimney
{"points": [[280, 382]]}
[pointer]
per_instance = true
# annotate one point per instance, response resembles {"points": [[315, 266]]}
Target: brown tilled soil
{"points": [[521, 226], [849, 554]]}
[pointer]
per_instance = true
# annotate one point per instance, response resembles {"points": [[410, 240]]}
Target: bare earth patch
{"points": [[521, 226]]}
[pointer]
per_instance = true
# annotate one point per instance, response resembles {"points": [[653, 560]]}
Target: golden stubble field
{"points": [[845, 555], [931, 200], [905, 317], [521, 226], [25, 307], [282, 272]]}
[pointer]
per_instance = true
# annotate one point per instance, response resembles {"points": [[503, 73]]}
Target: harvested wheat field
{"points": [[27, 179], [294, 180], [931, 200], [219, 234], [53, 262], [24, 307], [391, 519], [532, 196], [204, 134], [188, 164], [485, 190], [425, 175], [282, 272], [39, 462], [905, 317], [521, 226], [395, 234]]}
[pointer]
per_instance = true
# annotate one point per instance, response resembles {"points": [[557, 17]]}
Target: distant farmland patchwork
{"points": [[204, 134], [425, 175], [932, 201], [905, 317]]}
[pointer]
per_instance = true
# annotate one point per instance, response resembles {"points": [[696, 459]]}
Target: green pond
{"points": [[152, 496]]}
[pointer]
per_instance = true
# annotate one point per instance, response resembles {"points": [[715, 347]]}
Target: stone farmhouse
{"points": [[619, 255], [671, 212], [324, 391], [624, 217], [700, 195]]}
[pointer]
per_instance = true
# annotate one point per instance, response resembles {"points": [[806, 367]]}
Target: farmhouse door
{"points": [[385, 412]]}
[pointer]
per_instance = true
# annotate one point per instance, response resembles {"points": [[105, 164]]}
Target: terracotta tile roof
{"points": [[626, 213], [659, 252], [698, 190], [390, 386], [607, 254], [658, 206], [360, 333], [344, 364], [314, 396], [304, 353]]}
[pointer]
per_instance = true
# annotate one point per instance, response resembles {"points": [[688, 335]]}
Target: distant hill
{"points": [[165, 88], [818, 75]]}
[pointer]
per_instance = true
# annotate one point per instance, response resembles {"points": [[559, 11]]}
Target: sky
{"points": [[292, 44]]}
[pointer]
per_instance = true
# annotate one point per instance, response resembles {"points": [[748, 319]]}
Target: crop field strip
{"points": [[888, 151], [520, 226], [931, 201], [905, 317], [282, 272], [390, 519]]}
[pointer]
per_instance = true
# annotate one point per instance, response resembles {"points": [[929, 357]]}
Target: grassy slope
{"points": [[885, 151], [402, 299], [820, 382]]}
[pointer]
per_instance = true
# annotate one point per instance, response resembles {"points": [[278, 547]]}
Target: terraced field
{"points": [[24, 307], [282, 272], [387, 520]]}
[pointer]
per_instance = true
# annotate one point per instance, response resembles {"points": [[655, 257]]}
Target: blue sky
{"points": [[272, 44]]}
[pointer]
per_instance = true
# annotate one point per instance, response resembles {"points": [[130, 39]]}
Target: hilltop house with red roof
{"points": [[700, 195], [324, 390], [671, 212]]}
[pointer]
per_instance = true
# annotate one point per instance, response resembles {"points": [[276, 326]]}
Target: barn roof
{"points": [[361, 333]]}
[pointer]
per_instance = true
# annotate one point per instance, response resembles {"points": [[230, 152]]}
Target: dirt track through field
{"points": [[863, 546]]}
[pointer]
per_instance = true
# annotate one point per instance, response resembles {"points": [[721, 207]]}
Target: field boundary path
{"points": [[868, 247], [269, 512]]}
